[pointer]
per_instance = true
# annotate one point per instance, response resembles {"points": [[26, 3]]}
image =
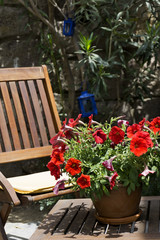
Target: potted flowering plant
{"points": [[98, 157]]}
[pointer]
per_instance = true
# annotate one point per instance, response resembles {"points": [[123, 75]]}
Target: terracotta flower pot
{"points": [[118, 207]]}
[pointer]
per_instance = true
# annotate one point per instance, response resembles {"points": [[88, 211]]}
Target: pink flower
{"points": [[146, 172], [59, 185], [108, 163], [122, 122]]}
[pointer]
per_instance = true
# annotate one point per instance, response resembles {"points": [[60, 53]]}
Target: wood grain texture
{"points": [[46, 108], [10, 115], [22, 73], [29, 114], [4, 130], [25, 154], [51, 101], [20, 115], [38, 112], [74, 218]]}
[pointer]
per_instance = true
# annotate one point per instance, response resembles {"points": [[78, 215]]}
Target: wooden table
{"points": [[74, 219]]}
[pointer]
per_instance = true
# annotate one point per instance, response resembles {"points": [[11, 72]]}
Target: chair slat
{"points": [[29, 113], [52, 103], [38, 112], [47, 112], [23, 73], [25, 154], [4, 130], [10, 114], [20, 115]]}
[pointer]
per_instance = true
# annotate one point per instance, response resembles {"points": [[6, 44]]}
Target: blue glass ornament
{"points": [[68, 27], [87, 104]]}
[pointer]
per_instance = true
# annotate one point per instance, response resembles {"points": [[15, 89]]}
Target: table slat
{"points": [[69, 217], [89, 223], [154, 217], [79, 220]]}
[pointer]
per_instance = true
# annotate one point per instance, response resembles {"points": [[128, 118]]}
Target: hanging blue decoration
{"points": [[68, 27], [87, 104]]}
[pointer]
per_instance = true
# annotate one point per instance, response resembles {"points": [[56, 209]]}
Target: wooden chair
{"points": [[28, 119]]}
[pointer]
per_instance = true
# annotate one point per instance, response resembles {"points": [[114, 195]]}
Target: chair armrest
{"points": [[8, 194]]}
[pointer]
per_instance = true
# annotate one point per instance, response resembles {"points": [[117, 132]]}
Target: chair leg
{"points": [[5, 211], [3, 235]]}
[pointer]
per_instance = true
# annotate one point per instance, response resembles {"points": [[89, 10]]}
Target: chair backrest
{"points": [[28, 114]]}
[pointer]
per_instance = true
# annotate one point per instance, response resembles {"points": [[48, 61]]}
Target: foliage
{"points": [[130, 31], [97, 157], [96, 69], [127, 32], [150, 43]]}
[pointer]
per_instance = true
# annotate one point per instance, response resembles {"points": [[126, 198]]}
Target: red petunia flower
{"points": [[72, 123], [112, 180], [90, 120], [146, 137], [60, 149], [84, 181], [155, 125], [64, 124], [116, 134], [57, 158], [131, 130], [99, 136], [141, 123], [68, 129], [57, 140], [138, 146], [54, 169], [73, 166]]}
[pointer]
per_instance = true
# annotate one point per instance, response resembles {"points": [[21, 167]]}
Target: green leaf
{"points": [[129, 191], [133, 174], [105, 190], [126, 183], [132, 186], [119, 15], [107, 29]]}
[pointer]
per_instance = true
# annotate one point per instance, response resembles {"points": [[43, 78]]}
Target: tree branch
{"points": [[56, 6]]}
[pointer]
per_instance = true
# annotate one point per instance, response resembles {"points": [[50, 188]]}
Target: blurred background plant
{"points": [[113, 42]]}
